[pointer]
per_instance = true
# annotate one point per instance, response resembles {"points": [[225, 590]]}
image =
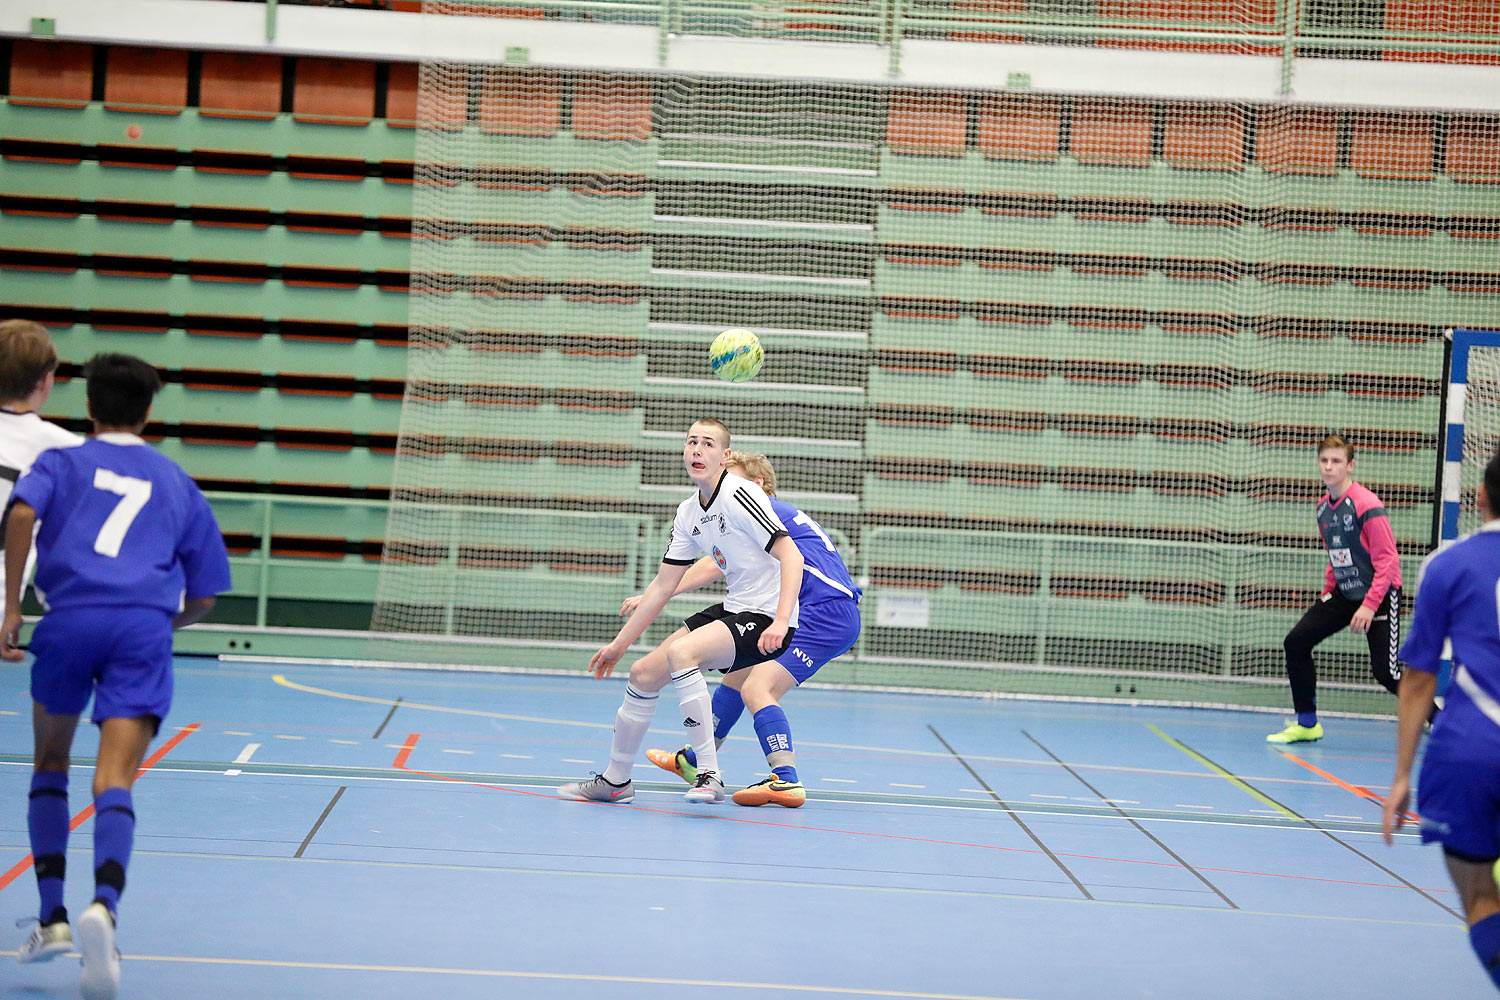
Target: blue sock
{"points": [[1484, 938], [1307, 719], [114, 834], [776, 741], [728, 707], [47, 821]]}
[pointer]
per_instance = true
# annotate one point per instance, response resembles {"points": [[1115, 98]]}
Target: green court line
{"points": [[1227, 776]]}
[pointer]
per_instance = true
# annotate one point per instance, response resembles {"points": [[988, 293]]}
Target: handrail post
{"points": [[263, 587], [1291, 15], [894, 23], [1044, 589], [270, 20]]}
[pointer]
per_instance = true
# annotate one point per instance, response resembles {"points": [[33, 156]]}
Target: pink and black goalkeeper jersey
{"points": [[1362, 560]]}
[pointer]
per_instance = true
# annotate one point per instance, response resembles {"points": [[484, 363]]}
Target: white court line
{"points": [[1336, 816], [450, 750], [236, 732], [842, 781], [572, 760], [247, 753], [519, 756], [6, 711], [1040, 795], [281, 736], [1184, 805], [233, 771], [352, 743], [897, 784]]}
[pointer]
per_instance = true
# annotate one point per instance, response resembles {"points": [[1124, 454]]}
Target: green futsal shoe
{"points": [[1294, 733]]}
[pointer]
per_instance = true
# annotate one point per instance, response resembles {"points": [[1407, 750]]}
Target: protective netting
{"points": [[1481, 432], [1053, 367]]}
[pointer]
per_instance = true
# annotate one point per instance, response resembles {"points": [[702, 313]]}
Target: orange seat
{"points": [[1297, 140], [1470, 16], [1112, 132], [1391, 145], [520, 101], [1204, 137], [603, 109], [153, 81], [51, 74], [1473, 150], [239, 85], [927, 122], [334, 91], [1019, 127]]}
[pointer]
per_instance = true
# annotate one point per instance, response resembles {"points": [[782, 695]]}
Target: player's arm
{"points": [[193, 609], [700, 574], [1422, 654], [1380, 542], [22, 521], [652, 601], [784, 551]]}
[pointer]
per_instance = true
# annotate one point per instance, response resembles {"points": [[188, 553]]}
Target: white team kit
{"points": [[24, 436], [736, 530]]}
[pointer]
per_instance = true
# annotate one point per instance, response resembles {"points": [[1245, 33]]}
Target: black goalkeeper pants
{"points": [[1328, 617]]}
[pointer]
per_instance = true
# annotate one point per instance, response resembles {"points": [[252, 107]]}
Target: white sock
{"points": [[697, 717], [631, 723]]}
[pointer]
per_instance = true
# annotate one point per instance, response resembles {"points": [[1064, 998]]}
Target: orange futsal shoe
{"points": [[676, 762], [772, 791]]}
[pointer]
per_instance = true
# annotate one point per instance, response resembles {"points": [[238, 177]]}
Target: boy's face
{"points": [[703, 454], [1334, 467]]}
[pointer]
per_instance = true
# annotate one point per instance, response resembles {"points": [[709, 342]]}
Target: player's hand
{"points": [[1360, 623], [10, 634], [603, 662], [629, 605], [774, 637], [1393, 816]]}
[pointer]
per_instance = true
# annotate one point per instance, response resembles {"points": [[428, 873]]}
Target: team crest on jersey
{"points": [[719, 559], [1348, 522]]}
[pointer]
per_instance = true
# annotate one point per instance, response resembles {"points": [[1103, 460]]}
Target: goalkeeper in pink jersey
{"points": [[1361, 588]]}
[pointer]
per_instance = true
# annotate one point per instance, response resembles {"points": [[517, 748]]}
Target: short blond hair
{"points": [[1337, 440], [756, 467], [26, 356], [713, 422]]}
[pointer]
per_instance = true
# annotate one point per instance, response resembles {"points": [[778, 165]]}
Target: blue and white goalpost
{"points": [[1463, 426]]}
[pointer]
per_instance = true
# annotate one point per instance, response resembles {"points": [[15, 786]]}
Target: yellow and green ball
{"points": [[735, 355]]}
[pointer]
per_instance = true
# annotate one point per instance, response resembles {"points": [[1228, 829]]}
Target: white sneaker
{"points": [[101, 962], [46, 941], [707, 788]]}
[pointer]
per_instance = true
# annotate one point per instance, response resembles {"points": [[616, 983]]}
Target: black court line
{"points": [[387, 721], [326, 810], [1329, 834], [1152, 837], [1011, 813]]}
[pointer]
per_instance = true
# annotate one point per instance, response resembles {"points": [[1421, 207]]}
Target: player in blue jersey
{"points": [[828, 628], [127, 551], [1459, 798]]}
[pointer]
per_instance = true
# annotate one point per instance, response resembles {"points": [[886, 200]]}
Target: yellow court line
{"points": [[281, 679], [1232, 779], [560, 976]]}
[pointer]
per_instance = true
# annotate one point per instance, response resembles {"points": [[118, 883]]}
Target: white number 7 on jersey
{"points": [[133, 496]]}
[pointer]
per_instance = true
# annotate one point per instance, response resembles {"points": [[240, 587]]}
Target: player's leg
{"points": [[47, 819], [648, 675], [708, 647], [1474, 878], [1325, 618], [1384, 639], [826, 630], [61, 683], [727, 707]]}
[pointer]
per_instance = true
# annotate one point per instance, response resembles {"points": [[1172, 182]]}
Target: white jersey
{"points": [[736, 529], [23, 436]]}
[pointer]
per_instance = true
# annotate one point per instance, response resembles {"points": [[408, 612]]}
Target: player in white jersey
{"points": [[731, 520], [27, 366]]}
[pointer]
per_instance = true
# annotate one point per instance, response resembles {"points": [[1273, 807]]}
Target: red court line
{"points": [[1359, 790], [410, 744], [24, 865]]}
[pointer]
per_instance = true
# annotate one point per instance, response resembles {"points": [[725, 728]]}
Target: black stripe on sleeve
{"points": [[758, 512], [678, 562], [772, 540], [1373, 512]]}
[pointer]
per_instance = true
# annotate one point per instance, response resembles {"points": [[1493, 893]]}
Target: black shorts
{"points": [[746, 627]]}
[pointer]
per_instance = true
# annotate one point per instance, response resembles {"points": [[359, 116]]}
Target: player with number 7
{"points": [[127, 550]]}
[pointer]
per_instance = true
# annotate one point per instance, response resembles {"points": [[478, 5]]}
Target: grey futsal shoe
{"points": [[101, 962], [597, 789], [707, 788], [46, 941]]}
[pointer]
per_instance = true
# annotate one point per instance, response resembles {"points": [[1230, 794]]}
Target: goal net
{"points": [[1051, 369]]}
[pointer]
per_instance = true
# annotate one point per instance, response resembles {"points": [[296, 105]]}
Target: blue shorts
{"points": [[1459, 802], [824, 631], [122, 656]]}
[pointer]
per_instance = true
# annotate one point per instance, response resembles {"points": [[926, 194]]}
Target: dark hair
{"points": [[1492, 485], [120, 389], [26, 356]]}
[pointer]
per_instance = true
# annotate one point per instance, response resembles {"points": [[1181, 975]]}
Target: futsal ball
{"points": [[735, 355]]}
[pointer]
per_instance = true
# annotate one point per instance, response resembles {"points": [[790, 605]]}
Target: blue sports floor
{"points": [[357, 833]]}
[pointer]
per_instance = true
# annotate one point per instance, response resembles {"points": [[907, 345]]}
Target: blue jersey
{"points": [[824, 575], [121, 525], [1457, 600]]}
